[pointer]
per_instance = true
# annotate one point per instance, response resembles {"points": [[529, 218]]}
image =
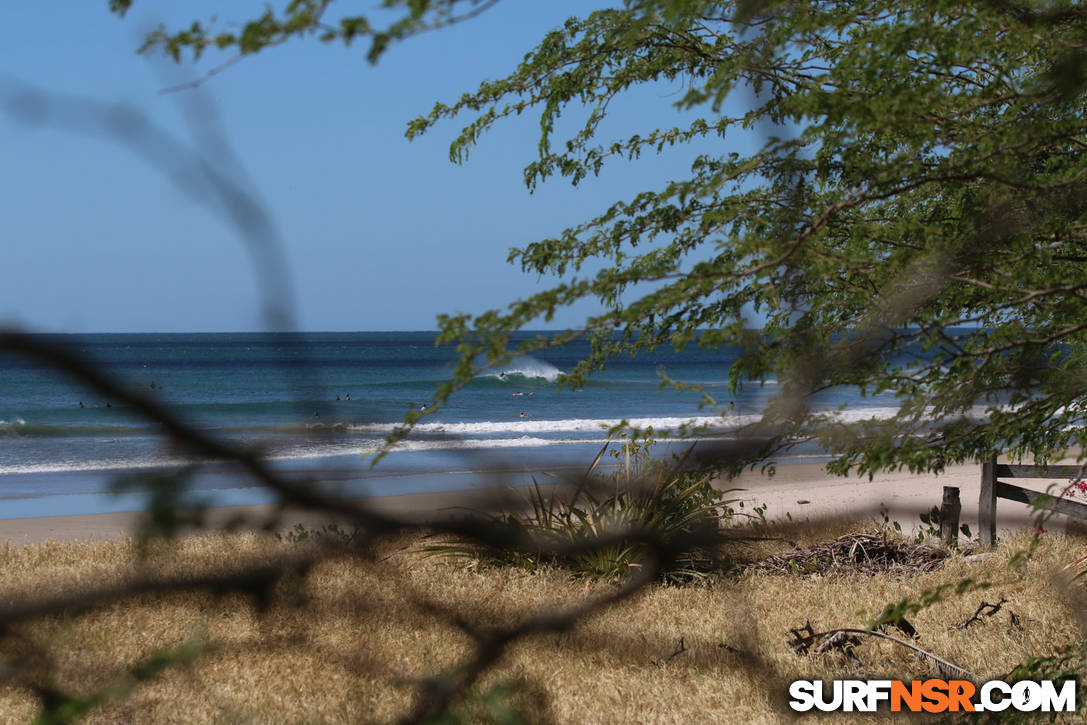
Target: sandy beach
{"points": [[802, 491]]}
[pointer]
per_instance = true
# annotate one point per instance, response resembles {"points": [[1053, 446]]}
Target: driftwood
{"points": [[842, 642], [985, 609], [868, 553], [680, 649], [845, 639], [903, 625], [802, 638]]}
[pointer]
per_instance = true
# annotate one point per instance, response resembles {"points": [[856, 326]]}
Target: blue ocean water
{"points": [[326, 401]]}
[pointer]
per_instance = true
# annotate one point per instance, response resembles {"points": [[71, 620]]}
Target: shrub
{"points": [[678, 509]]}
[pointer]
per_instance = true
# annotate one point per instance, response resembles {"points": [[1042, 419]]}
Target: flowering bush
{"points": [[1076, 487]]}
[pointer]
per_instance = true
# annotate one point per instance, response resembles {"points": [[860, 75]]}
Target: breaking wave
{"points": [[525, 368]]}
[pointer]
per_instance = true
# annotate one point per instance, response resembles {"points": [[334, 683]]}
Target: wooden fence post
{"points": [[949, 516], [987, 503]]}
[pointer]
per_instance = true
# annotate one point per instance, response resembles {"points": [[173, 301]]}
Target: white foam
{"points": [[712, 423], [857, 415], [527, 426], [97, 465], [524, 442], [488, 443], [522, 433], [344, 448]]}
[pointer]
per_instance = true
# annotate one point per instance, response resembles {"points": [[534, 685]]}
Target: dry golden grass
{"points": [[344, 644]]}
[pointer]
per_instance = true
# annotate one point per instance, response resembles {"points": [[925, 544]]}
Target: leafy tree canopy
{"points": [[919, 187]]}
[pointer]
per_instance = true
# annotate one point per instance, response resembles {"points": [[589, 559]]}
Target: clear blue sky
{"points": [[380, 233]]}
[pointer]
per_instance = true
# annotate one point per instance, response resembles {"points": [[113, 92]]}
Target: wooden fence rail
{"points": [[992, 488]]}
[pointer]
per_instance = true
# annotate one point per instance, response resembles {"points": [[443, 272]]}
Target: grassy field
{"points": [[347, 642]]}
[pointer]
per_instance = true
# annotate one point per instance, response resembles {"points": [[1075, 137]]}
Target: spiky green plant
{"points": [[678, 508]]}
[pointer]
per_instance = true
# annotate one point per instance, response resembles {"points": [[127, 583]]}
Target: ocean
{"points": [[320, 404]]}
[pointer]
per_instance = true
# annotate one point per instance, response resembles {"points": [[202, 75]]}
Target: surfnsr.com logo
{"points": [[933, 696]]}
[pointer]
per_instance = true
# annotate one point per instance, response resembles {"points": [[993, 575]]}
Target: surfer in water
{"points": [[525, 415], [348, 397], [503, 377]]}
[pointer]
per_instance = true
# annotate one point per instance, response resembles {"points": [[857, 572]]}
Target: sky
{"points": [[378, 233]]}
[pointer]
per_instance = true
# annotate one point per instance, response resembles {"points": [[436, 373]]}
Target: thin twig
{"points": [[980, 612]]}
